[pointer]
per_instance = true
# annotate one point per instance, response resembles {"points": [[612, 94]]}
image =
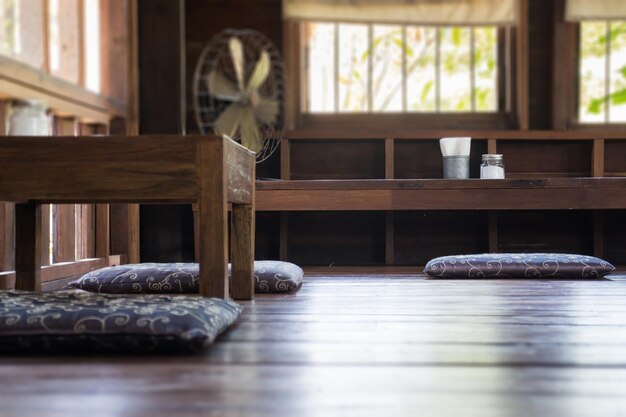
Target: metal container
{"points": [[456, 167]]}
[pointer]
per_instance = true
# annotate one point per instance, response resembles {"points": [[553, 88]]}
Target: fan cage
{"points": [[216, 57]]}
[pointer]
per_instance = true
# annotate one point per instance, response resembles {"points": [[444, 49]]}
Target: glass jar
{"points": [[492, 166], [29, 118]]}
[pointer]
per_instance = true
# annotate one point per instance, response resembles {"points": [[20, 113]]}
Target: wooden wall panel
{"points": [[337, 238], [311, 159], [267, 235], [614, 232], [539, 158], [546, 231], [421, 236], [615, 158]]}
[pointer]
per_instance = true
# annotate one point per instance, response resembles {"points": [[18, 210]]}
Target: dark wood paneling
{"points": [[547, 158], [342, 238], [423, 159], [546, 231], [615, 158], [421, 236], [337, 159], [267, 233], [614, 233], [540, 31]]}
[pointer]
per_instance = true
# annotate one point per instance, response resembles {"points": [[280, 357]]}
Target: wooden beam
{"points": [[522, 66]]}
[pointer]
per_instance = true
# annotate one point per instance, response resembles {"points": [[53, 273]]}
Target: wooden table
{"points": [[209, 171]]}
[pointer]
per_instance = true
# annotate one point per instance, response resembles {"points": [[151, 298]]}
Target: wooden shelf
{"points": [[333, 175]]}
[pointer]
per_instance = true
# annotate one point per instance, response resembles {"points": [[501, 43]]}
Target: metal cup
{"points": [[456, 167]]}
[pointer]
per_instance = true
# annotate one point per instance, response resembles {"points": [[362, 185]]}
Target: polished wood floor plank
{"points": [[365, 346]]}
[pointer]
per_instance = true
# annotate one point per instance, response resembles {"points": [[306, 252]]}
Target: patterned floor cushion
{"points": [[518, 265], [168, 278], [71, 320]]}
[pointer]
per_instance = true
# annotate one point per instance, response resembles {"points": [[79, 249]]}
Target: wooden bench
{"points": [[440, 194], [210, 172]]}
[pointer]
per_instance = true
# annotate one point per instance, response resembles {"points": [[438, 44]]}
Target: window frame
{"points": [[566, 77], [508, 51]]}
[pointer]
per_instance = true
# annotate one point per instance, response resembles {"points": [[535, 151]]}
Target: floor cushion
{"points": [[166, 278], [518, 265], [68, 321]]}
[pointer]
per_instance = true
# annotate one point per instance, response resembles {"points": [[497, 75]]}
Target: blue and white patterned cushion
{"points": [[80, 321], [518, 265], [171, 278]]}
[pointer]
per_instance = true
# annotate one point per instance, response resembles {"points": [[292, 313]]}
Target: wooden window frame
{"points": [[512, 92], [566, 76]]}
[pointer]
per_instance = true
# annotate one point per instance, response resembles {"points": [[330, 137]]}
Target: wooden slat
{"points": [[242, 252], [597, 160], [115, 56], [7, 210], [493, 231], [28, 246], [389, 158], [522, 66], [492, 146], [69, 45], [64, 232], [389, 238], [62, 270]]}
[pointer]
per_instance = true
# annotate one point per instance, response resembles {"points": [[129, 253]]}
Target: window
{"points": [[602, 72], [61, 37], [393, 68]]}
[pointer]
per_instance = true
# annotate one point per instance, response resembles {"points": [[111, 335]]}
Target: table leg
{"points": [[28, 246], [242, 252]]}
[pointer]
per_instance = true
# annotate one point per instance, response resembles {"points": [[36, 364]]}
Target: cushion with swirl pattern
{"points": [[69, 321], [518, 265], [170, 278]]}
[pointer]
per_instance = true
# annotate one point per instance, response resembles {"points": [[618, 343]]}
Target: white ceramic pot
{"points": [[28, 118]]}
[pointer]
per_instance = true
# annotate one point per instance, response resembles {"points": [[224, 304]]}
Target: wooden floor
{"points": [[366, 346]]}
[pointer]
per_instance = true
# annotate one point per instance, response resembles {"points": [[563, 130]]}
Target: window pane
{"points": [[592, 71], [92, 45], [485, 64], [21, 33], [387, 68], [353, 63], [9, 34], [321, 66], [454, 69], [420, 69], [617, 109]]}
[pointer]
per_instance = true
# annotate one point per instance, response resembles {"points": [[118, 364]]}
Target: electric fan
{"points": [[238, 90]]}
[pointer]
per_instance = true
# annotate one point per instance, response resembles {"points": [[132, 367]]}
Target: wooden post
{"points": [[242, 252], [389, 217], [213, 220], [28, 246], [522, 65]]}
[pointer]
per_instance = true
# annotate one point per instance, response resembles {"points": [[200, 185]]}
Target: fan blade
{"points": [[236, 53], [266, 111], [250, 136], [260, 73], [222, 88], [228, 122]]}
